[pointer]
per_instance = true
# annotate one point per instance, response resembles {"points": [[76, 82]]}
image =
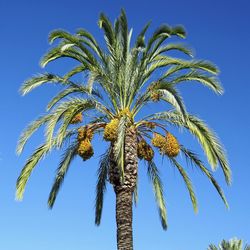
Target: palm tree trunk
{"points": [[124, 191], [124, 220]]}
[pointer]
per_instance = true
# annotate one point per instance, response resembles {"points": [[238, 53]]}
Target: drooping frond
{"points": [[178, 66], [187, 182], [60, 52], [169, 94], [84, 33], [165, 92], [31, 128], [32, 162], [179, 31], [206, 137], [194, 160], [73, 41], [153, 174], [209, 139], [101, 185], [39, 80], [78, 69], [198, 72], [161, 33], [75, 89], [28, 168], [63, 94], [73, 107], [62, 170], [172, 46], [195, 76]]}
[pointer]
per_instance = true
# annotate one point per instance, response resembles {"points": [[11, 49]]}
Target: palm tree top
{"points": [[233, 244], [121, 80]]}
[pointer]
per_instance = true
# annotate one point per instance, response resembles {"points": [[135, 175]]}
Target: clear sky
{"points": [[219, 31]]}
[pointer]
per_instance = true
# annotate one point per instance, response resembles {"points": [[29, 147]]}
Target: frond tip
{"points": [[62, 170], [28, 168], [153, 174], [187, 182], [101, 185], [193, 158]]}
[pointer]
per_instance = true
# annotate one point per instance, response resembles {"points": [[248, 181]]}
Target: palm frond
{"points": [[75, 106], [212, 247], [167, 93], [211, 144], [157, 64], [233, 244], [63, 94], [31, 128], [78, 69], [172, 46], [153, 174], [30, 164], [71, 106], [84, 33], [164, 31], [62, 170], [124, 32], [208, 81], [207, 138], [171, 95], [178, 31], [187, 182], [70, 41], [57, 52], [192, 65], [140, 40], [106, 25], [101, 185], [72, 90], [39, 80], [194, 159]]}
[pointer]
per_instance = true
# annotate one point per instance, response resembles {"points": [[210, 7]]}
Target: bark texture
{"points": [[124, 191], [124, 219]]}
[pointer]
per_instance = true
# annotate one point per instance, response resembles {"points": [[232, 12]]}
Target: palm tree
{"points": [[233, 244], [121, 80]]}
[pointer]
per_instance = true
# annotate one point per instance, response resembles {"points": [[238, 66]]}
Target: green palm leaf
{"points": [[39, 80], [62, 170], [101, 184], [187, 182], [197, 162], [153, 174], [32, 127], [207, 138]]}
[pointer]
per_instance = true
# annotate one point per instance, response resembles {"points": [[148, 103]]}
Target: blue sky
{"points": [[218, 31]]}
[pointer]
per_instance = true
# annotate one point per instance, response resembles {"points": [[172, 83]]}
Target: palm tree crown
{"points": [[233, 244], [121, 80]]}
